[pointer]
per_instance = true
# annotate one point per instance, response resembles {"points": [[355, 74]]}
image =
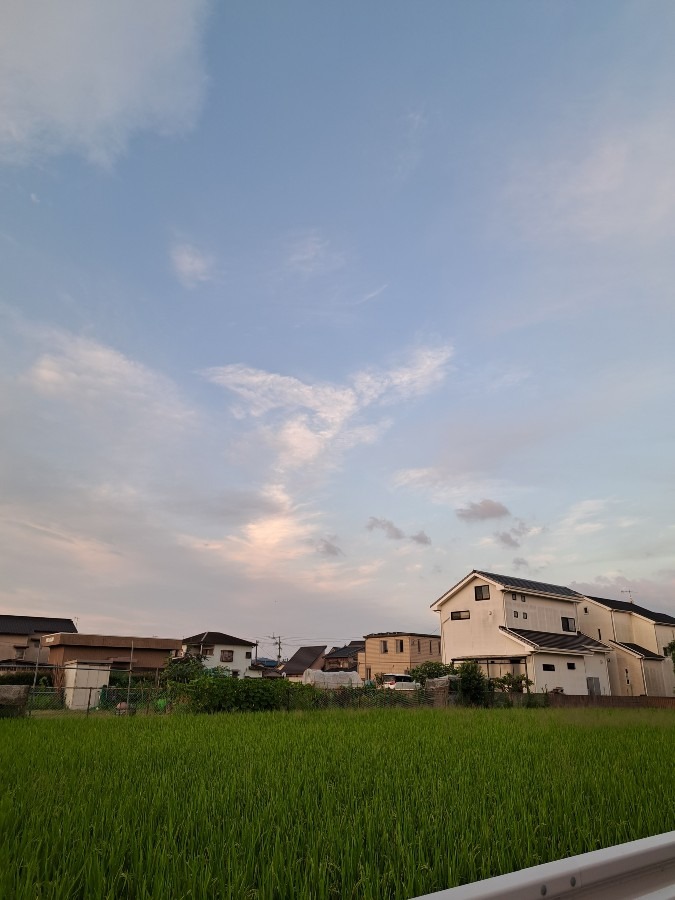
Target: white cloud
{"points": [[316, 418], [191, 265], [84, 75], [617, 184]]}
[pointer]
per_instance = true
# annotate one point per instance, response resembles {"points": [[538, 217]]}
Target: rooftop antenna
{"points": [[628, 591]]}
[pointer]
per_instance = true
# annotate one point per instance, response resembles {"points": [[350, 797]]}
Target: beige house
{"points": [[397, 652], [639, 638], [522, 627]]}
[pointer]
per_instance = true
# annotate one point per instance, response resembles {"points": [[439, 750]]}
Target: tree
{"points": [[474, 686], [183, 669], [670, 650], [512, 684], [431, 669]]}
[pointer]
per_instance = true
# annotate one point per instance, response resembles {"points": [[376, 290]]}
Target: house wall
{"points": [[21, 646], [542, 614], [625, 671], [597, 666], [597, 622], [479, 635], [664, 635], [644, 633], [416, 650], [242, 657], [655, 685], [142, 659], [572, 681], [623, 627]]}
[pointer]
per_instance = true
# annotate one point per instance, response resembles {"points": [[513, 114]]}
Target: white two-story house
{"points": [[639, 637], [513, 625], [225, 650]]}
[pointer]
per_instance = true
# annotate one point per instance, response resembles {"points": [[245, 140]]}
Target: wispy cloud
{"points": [[421, 538], [485, 509], [313, 419], [191, 265], [617, 183], [64, 89], [312, 254]]}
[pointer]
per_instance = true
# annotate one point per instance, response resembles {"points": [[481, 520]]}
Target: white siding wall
{"points": [[478, 635], [623, 627], [664, 635], [542, 615], [597, 666], [239, 662], [644, 633], [596, 623], [572, 681]]}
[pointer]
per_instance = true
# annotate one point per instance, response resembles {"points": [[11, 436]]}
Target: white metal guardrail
{"points": [[640, 870]]}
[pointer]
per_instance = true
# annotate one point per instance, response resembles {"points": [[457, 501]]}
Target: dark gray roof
{"points": [[345, 652], [549, 640], [302, 659], [524, 584], [217, 637], [386, 634], [35, 625], [638, 650], [625, 606]]}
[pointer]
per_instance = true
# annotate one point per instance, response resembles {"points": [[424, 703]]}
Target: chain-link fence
{"points": [[113, 700]]}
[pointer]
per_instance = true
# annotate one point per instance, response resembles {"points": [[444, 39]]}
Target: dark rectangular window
{"points": [[419, 646], [522, 598], [571, 665], [384, 647], [524, 615], [227, 655], [515, 613], [585, 610], [460, 614], [514, 596], [248, 654], [399, 646], [482, 591], [568, 624], [548, 667], [599, 635]]}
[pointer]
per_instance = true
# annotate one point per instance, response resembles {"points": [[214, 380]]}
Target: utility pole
{"points": [[628, 591], [277, 640]]}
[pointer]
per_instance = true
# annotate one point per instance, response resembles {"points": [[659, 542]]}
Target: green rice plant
{"points": [[383, 803]]}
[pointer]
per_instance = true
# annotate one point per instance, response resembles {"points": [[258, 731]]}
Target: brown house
{"points": [[122, 651], [397, 652], [343, 659], [20, 638]]}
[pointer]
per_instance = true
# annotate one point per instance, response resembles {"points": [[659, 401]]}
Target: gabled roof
{"points": [[345, 652], [524, 584], [624, 606], [303, 658], [549, 640], [637, 650], [217, 637], [35, 625]]}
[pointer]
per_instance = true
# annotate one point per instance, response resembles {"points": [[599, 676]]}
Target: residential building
{"points": [[20, 638], [121, 651], [219, 649], [303, 658], [343, 659], [514, 625], [639, 637], [397, 652]]}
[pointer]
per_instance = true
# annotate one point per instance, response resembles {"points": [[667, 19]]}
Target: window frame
{"points": [[460, 615], [564, 622], [548, 667], [481, 592]]}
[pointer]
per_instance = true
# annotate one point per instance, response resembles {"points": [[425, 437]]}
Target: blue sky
{"points": [[307, 310]]}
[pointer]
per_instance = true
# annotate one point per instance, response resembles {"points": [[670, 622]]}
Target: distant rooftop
{"points": [[303, 658], [524, 584], [35, 625], [625, 606], [217, 637]]}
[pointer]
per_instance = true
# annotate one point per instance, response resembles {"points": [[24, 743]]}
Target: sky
{"points": [[307, 310]]}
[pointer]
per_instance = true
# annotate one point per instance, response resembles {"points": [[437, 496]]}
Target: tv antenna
{"points": [[628, 591]]}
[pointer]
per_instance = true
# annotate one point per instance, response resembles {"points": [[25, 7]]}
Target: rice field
{"points": [[379, 804]]}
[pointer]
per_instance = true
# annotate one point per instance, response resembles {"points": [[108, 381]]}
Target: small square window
{"points": [[522, 598], [227, 655], [568, 624], [548, 667], [524, 615], [248, 654], [482, 592], [571, 665], [514, 596], [515, 613], [585, 610]]}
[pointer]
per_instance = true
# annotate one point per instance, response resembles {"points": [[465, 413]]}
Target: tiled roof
{"points": [[35, 624], [345, 652], [302, 659], [625, 606], [217, 637], [524, 584], [549, 640], [415, 634], [638, 650]]}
